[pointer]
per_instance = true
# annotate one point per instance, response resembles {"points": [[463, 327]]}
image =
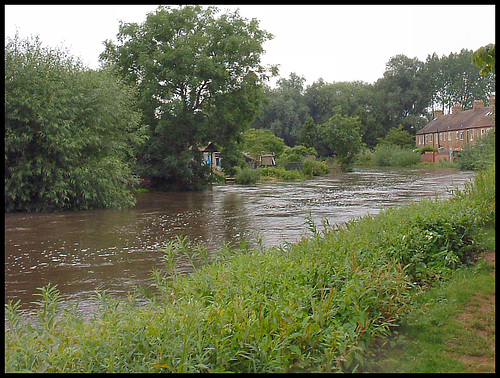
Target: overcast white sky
{"points": [[333, 42]]}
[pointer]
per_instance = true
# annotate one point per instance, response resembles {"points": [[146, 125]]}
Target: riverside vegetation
{"points": [[316, 305]]}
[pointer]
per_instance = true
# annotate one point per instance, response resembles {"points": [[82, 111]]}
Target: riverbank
{"points": [[315, 305], [449, 329], [117, 248]]}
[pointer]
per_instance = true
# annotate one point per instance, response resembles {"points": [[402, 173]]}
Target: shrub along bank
{"points": [[310, 306]]}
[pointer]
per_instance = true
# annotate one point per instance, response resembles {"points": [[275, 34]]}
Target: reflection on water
{"points": [[114, 249]]}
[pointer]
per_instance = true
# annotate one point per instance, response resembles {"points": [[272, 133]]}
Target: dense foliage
{"points": [[456, 79], [480, 155], [340, 136], [388, 155], [258, 142], [310, 306], [285, 110], [484, 58], [70, 132], [398, 137], [405, 96], [295, 154], [199, 80]]}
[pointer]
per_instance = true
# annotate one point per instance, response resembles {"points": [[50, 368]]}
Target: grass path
{"points": [[451, 329], [478, 317]]}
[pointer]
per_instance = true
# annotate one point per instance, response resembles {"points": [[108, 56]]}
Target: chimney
{"points": [[438, 113], [478, 104], [456, 108], [492, 102]]}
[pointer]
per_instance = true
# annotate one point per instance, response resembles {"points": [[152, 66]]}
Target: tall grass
{"points": [[247, 175], [281, 173], [313, 167], [480, 155], [310, 306], [388, 156]]}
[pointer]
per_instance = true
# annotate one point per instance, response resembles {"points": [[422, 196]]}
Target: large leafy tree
{"points": [[340, 136], [199, 79], [308, 134], [70, 132], [456, 79], [351, 99], [258, 142], [406, 91], [285, 110]]}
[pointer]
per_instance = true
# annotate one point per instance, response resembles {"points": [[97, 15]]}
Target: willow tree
{"points": [[70, 132], [199, 79]]}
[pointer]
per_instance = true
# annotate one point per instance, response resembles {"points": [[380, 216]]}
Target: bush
{"points": [[295, 154], [480, 155], [281, 173], [70, 133], [313, 167], [364, 157], [422, 150], [394, 156], [398, 137], [247, 176]]}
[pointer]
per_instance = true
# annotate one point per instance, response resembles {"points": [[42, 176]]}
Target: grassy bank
{"points": [[311, 306], [449, 328]]}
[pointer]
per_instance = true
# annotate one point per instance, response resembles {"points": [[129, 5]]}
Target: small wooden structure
{"points": [[211, 156], [268, 159], [250, 160]]}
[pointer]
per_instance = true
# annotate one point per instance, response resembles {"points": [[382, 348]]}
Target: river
{"points": [[115, 249]]}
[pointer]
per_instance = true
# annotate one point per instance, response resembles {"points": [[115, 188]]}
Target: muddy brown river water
{"points": [[115, 249]]}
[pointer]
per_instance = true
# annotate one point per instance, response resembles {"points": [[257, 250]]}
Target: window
{"points": [[482, 132], [472, 135], [430, 138], [456, 138], [462, 135], [449, 136]]}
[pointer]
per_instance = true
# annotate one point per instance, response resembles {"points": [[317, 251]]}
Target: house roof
{"points": [[465, 119], [210, 147]]}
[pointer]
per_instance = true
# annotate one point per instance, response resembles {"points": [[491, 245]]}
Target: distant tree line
{"points": [[77, 138], [406, 95]]}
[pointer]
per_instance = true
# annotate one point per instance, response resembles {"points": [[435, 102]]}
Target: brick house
{"points": [[452, 132]]}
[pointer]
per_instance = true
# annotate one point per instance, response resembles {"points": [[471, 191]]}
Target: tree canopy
{"points": [[70, 132], [258, 142], [484, 58], [199, 79], [340, 136], [398, 137], [456, 79], [285, 110]]}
